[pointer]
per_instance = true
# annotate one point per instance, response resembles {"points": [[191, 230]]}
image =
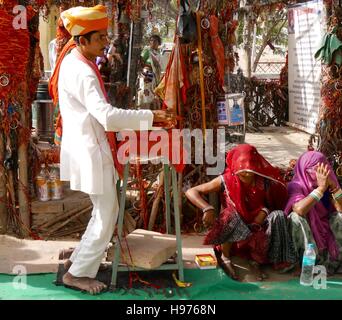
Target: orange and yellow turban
{"points": [[81, 20]]}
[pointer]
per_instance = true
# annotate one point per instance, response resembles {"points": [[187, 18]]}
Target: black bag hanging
{"points": [[187, 27]]}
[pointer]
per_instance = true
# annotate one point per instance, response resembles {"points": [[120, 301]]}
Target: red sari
{"points": [[242, 204]]}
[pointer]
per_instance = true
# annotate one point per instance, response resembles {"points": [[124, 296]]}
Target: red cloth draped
{"points": [[217, 47], [130, 147], [249, 201]]}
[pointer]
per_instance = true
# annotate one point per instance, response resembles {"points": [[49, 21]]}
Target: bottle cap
{"points": [[311, 246]]}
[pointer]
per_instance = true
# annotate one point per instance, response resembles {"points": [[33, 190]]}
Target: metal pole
{"points": [[23, 193], [130, 53]]}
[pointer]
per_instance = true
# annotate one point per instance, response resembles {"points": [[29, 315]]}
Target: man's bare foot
{"points": [[92, 286]]}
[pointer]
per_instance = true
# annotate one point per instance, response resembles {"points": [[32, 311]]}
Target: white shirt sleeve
{"points": [[111, 118]]}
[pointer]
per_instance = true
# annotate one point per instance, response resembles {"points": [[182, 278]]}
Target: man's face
{"points": [[97, 44], [154, 44]]}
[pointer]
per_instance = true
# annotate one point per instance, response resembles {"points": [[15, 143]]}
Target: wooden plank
{"points": [[71, 200], [148, 249]]}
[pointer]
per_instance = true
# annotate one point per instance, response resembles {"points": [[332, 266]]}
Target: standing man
{"points": [[86, 158]]}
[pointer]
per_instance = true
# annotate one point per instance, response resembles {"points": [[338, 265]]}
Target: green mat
{"points": [[206, 285]]}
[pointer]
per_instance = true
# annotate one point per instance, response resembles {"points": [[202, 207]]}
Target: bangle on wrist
{"points": [[267, 212], [316, 194], [208, 208], [337, 194]]}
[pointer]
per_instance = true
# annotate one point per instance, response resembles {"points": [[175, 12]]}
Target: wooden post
{"points": [[3, 197], [23, 190]]}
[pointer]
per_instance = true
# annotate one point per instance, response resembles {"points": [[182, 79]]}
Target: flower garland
{"points": [[14, 47]]}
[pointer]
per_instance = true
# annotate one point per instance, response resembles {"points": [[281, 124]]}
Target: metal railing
{"points": [[269, 67]]}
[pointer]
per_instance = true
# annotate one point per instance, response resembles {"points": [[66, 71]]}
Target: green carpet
{"points": [[206, 285]]}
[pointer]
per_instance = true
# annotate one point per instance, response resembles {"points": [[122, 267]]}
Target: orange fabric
{"points": [[53, 83], [81, 20], [175, 79]]}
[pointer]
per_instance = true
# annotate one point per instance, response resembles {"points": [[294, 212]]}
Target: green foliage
{"points": [[271, 27], [163, 22]]}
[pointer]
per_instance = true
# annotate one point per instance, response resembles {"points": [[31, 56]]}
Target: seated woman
{"points": [[315, 198], [251, 223]]}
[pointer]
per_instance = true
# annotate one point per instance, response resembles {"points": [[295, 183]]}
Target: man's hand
{"points": [[164, 118], [208, 218]]}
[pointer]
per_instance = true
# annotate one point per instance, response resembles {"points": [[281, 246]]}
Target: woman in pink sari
{"points": [[314, 208]]}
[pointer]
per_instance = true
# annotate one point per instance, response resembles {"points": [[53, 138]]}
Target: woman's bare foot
{"points": [[92, 286], [260, 276], [228, 268]]}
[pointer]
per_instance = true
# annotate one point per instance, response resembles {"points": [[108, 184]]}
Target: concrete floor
{"points": [[278, 144]]}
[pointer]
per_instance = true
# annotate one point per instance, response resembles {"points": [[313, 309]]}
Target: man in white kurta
{"points": [[86, 159]]}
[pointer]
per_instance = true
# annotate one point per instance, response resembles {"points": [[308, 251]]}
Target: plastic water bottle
{"points": [[309, 260], [56, 185], [43, 184]]}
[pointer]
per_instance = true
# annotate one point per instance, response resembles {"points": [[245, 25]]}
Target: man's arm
{"points": [[111, 118]]}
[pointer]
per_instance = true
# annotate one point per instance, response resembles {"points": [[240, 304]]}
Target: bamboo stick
{"points": [[63, 233], [200, 58], [62, 216], [61, 225], [3, 193]]}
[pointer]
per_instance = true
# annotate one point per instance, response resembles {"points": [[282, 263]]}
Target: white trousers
{"points": [[87, 257]]}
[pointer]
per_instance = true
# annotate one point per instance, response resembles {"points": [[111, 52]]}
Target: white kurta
{"points": [[86, 115], [86, 159]]}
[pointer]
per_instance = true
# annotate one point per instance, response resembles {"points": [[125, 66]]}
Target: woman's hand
{"points": [[260, 218], [322, 174], [208, 218]]}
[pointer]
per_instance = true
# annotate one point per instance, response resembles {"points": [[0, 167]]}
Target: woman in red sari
{"points": [[251, 223]]}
